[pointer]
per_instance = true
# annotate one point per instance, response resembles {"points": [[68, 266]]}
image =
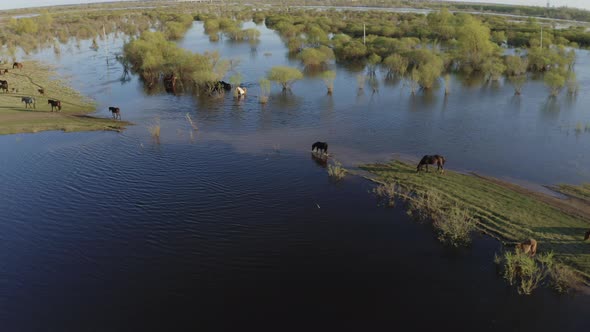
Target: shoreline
{"points": [[505, 211], [16, 118]]}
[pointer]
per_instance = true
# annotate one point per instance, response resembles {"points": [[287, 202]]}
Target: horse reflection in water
{"points": [[320, 159]]}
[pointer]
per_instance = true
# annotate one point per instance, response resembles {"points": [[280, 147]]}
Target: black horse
{"points": [[221, 85], [116, 112], [54, 104], [320, 147], [29, 101], [4, 85], [431, 160]]}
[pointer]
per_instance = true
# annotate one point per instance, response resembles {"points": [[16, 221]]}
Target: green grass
{"points": [[581, 192], [508, 212], [15, 118]]}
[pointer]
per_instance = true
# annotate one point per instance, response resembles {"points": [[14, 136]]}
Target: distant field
{"points": [[15, 118]]}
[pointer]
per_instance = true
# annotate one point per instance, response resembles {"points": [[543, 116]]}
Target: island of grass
{"points": [[506, 211], [26, 82]]}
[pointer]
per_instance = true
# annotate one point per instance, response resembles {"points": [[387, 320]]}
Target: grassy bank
{"points": [[507, 211], [15, 118], [581, 192]]}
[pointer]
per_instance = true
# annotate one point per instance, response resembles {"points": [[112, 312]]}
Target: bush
{"points": [[455, 226], [336, 171], [528, 273]]}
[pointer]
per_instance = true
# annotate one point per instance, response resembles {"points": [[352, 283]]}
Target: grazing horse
{"points": [[320, 147], [4, 85], [431, 160], [587, 236], [116, 112], [29, 101], [528, 247], [18, 65], [54, 104], [41, 91]]}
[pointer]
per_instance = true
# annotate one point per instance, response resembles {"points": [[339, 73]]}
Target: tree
{"points": [[328, 77], [316, 57], [264, 90], [284, 76], [493, 68], [372, 61], [516, 65], [555, 81], [572, 84], [474, 44], [516, 68], [396, 65]]}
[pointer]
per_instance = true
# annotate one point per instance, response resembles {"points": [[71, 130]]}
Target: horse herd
{"points": [[30, 102]]}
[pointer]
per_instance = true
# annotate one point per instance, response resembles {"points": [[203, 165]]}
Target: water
{"points": [[239, 227]]}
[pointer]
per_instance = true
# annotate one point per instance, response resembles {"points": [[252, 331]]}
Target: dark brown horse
{"points": [[116, 112], [587, 236], [41, 91], [18, 65], [54, 104], [4, 85], [431, 160]]}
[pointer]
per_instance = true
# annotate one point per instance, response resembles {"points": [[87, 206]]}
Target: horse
{"points": [[431, 160], [18, 65], [221, 85], [116, 112], [320, 147], [587, 236], [54, 104], [4, 85], [528, 247], [29, 101], [5, 71], [41, 91], [241, 91]]}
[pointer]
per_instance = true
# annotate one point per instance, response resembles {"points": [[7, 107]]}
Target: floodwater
{"points": [[239, 227]]}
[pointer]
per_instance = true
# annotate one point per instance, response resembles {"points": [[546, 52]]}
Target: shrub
{"points": [[336, 171], [522, 270], [454, 226]]}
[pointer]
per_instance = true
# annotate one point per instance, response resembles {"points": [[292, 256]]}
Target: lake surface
{"points": [[239, 227]]}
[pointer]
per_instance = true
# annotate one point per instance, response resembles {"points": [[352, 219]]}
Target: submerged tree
{"points": [[516, 68], [328, 77], [474, 44], [316, 57], [264, 90], [284, 76], [555, 81]]}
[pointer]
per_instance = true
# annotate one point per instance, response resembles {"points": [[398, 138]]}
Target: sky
{"points": [[9, 4]]}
